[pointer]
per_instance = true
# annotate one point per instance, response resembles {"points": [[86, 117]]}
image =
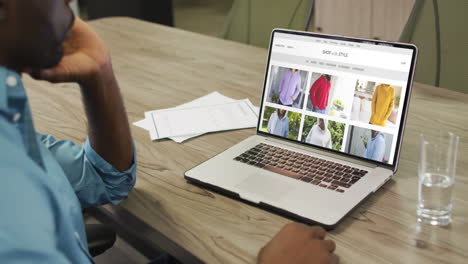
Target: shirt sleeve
{"points": [[286, 132], [282, 82], [379, 150], [329, 141], [313, 90], [298, 88], [391, 105], [366, 152], [94, 180], [309, 136], [374, 100]]}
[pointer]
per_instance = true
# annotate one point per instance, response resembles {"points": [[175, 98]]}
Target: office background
{"points": [[439, 28], [250, 21]]}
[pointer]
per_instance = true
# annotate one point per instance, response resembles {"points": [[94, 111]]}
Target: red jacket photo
{"points": [[319, 93]]}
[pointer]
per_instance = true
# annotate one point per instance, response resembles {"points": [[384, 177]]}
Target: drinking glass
{"points": [[437, 169]]}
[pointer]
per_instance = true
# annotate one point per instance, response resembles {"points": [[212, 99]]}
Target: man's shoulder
{"points": [[13, 156], [380, 138]]}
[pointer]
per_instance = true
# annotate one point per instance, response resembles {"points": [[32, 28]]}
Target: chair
{"points": [[439, 29], [251, 21], [100, 238], [157, 11]]}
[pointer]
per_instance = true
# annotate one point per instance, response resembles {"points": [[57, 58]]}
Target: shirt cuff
{"points": [[99, 163]]}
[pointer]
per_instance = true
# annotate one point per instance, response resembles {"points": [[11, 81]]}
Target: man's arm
{"points": [[103, 170], [282, 83], [286, 133], [379, 149], [94, 180], [297, 89], [269, 126], [108, 129], [313, 90], [327, 96], [87, 62], [329, 142], [391, 105], [374, 100], [309, 136], [366, 152]]}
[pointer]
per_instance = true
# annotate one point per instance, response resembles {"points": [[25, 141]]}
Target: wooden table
{"points": [[160, 67]]}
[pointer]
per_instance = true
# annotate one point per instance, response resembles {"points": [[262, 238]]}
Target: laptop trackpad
{"points": [[260, 187]]}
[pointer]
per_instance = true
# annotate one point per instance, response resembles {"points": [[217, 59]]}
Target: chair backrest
{"points": [[421, 30], [251, 21], [157, 11]]}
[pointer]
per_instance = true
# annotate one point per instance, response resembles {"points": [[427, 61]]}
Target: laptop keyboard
{"points": [[326, 174]]}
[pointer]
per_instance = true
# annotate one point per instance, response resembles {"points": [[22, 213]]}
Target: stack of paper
{"points": [[210, 113]]}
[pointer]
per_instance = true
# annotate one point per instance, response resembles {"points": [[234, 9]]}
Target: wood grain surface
{"points": [[161, 67]]}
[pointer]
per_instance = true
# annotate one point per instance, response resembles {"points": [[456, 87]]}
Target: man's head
{"points": [[321, 123], [328, 77], [374, 133], [33, 32]]}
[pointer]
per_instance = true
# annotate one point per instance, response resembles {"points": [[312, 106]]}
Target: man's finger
{"points": [[318, 232], [54, 75], [329, 245], [334, 259]]}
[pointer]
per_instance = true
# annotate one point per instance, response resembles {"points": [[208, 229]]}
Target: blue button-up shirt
{"points": [[44, 185], [376, 148]]}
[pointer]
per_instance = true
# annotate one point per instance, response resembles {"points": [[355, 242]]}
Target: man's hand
{"points": [[86, 61], [85, 58], [298, 243]]}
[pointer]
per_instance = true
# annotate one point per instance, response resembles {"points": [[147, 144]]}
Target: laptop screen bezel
{"points": [[409, 85]]}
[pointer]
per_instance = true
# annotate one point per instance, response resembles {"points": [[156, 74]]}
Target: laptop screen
{"points": [[341, 94]]}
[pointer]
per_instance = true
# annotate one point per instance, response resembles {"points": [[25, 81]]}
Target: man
{"points": [[376, 146], [290, 87], [45, 182], [319, 135], [319, 93], [278, 124]]}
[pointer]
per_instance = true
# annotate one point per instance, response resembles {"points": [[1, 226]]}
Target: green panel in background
{"points": [[251, 21], [423, 35], [270, 14], [454, 43], [237, 23], [454, 32]]}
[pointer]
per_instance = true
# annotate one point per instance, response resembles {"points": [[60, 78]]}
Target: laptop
{"points": [[329, 131]]}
